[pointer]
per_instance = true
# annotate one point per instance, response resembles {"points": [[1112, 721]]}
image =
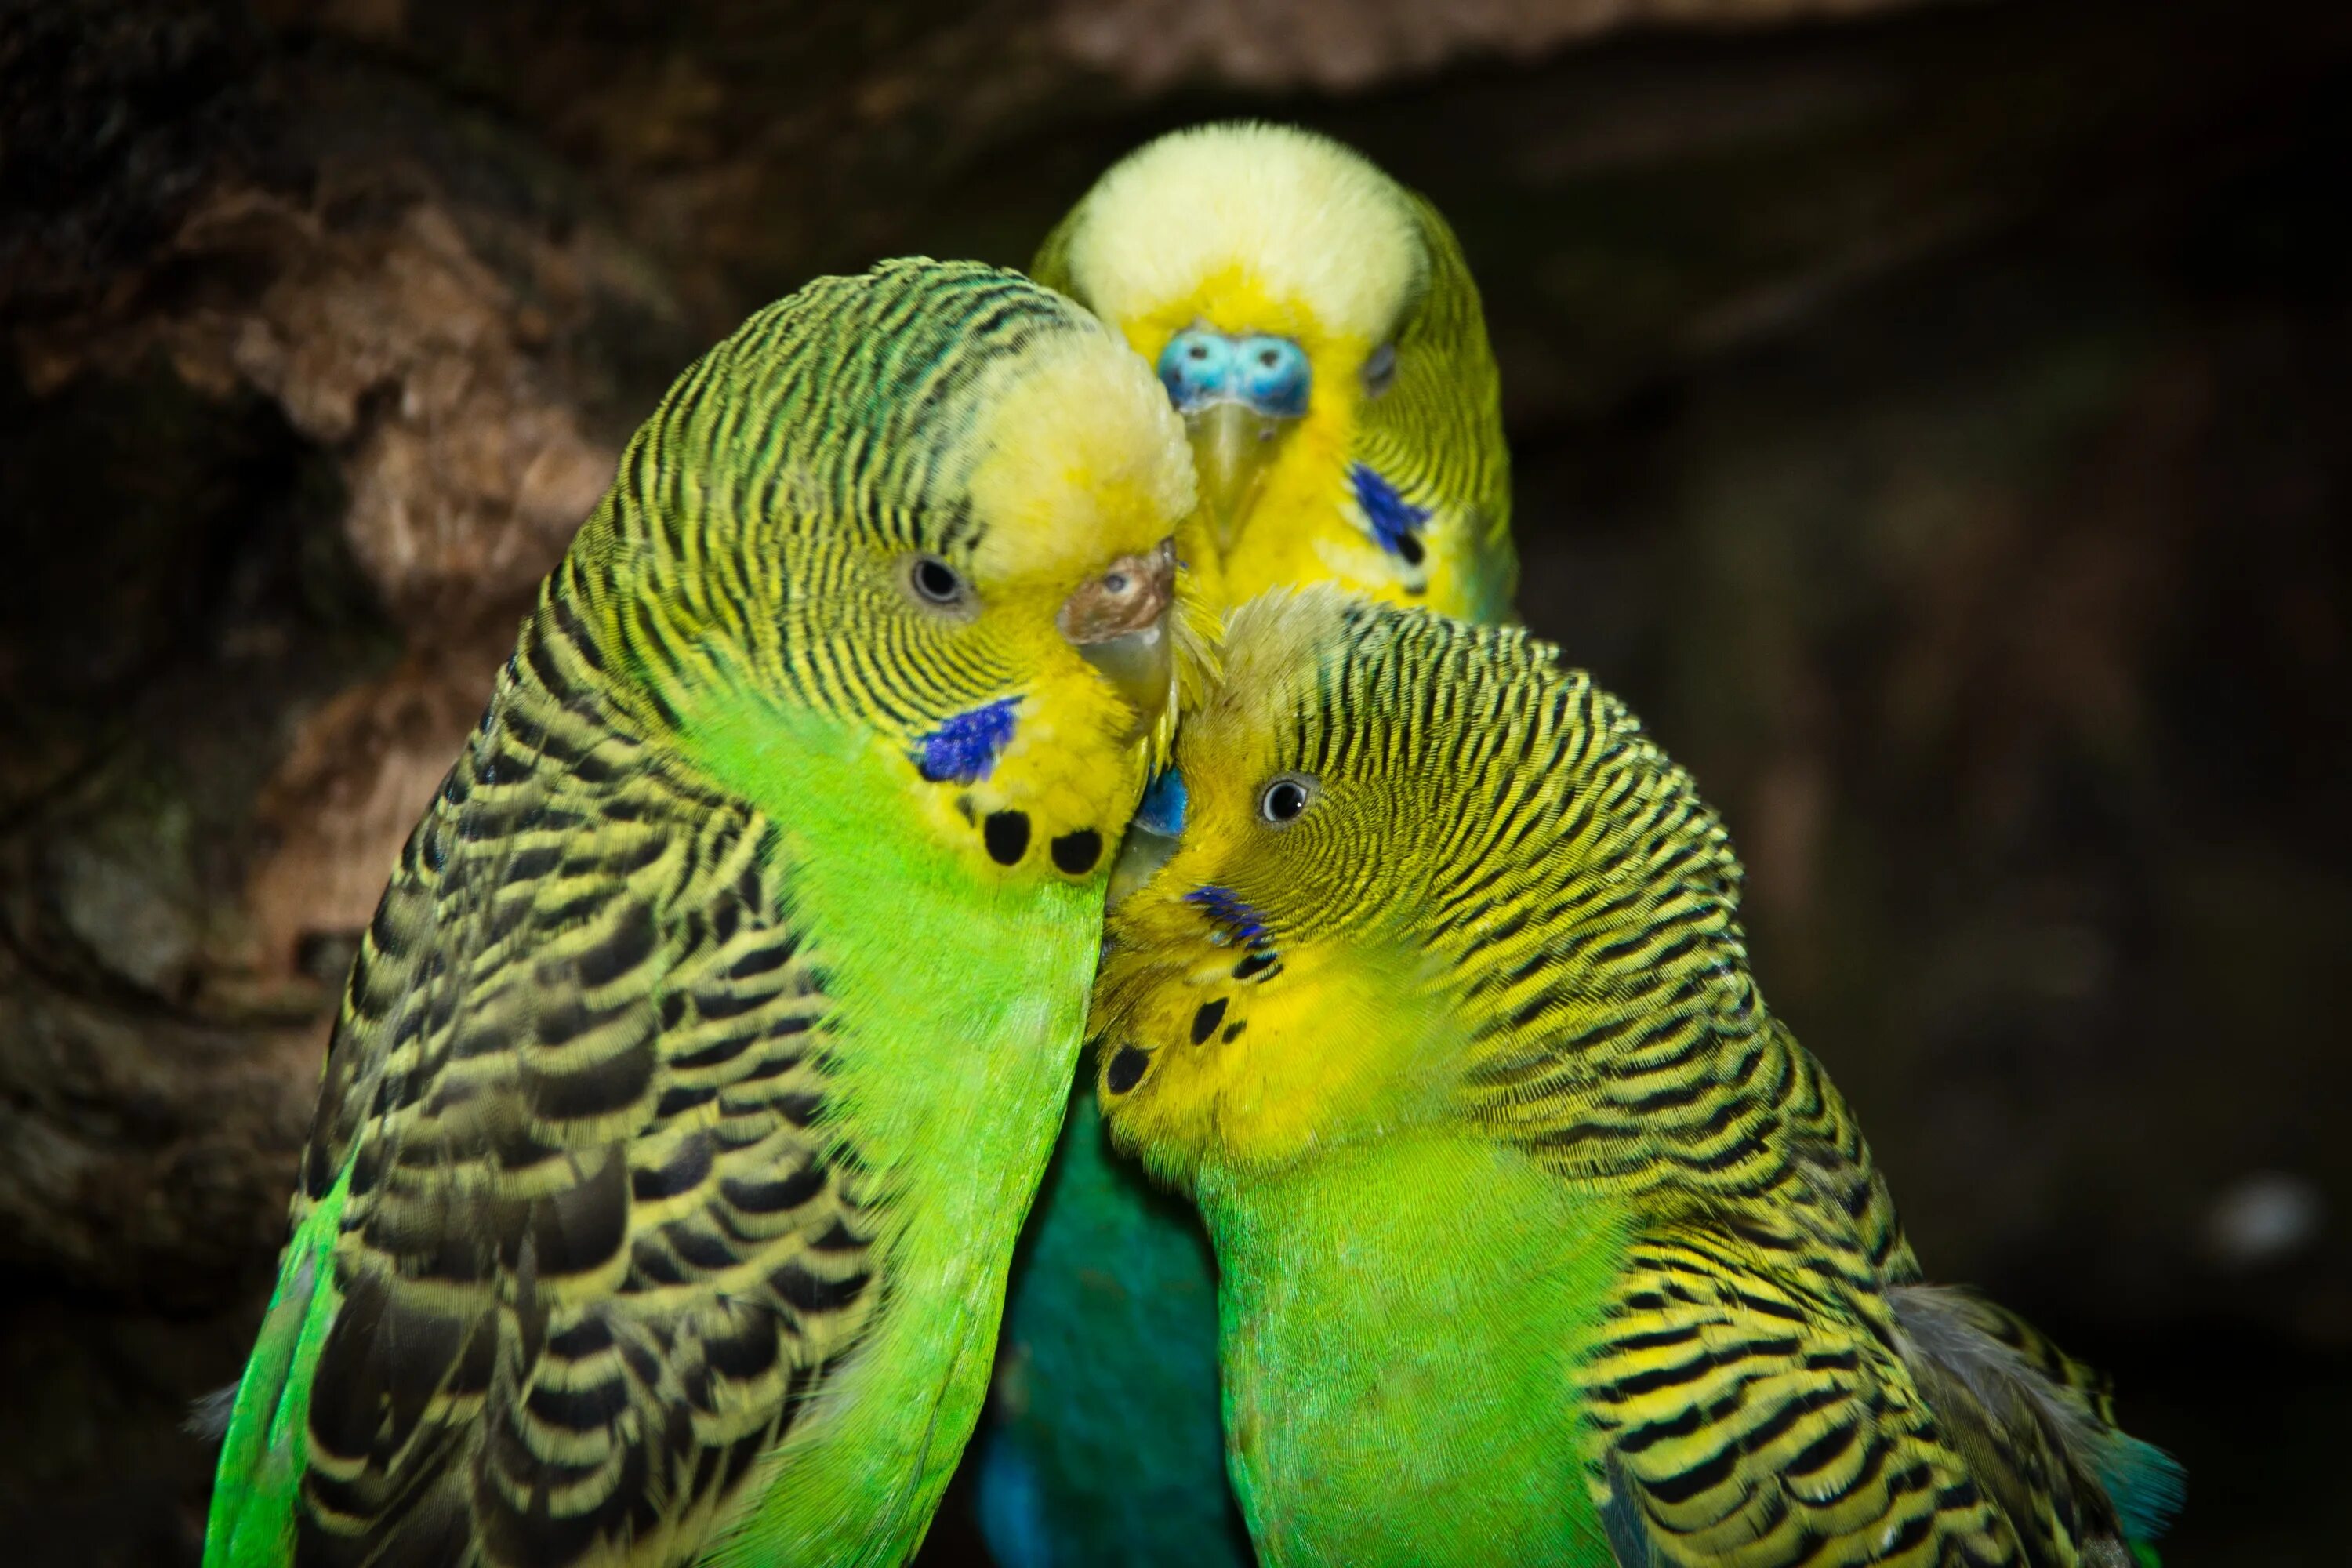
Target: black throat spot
{"points": [[1006, 833], [1075, 852], [1126, 1071]]}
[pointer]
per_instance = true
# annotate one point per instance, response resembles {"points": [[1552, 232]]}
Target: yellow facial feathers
{"points": [[1078, 458]]}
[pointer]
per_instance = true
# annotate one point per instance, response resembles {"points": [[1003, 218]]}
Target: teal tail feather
{"points": [[2146, 1486], [1105, 1441]]}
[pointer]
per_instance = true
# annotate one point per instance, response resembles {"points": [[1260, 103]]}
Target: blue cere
{"points": [[1396, 521], [1272, 375], [1242, 922], [964, 748], [1196, 367], [1162, 808], [1268, 373]]}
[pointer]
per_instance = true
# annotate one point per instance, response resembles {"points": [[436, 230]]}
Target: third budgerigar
{"points": [[1542, 1239], [1314, 324]]}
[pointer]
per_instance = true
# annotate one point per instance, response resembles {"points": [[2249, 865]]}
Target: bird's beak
{"points": [[1232, 446], [1141, 853], [1153, 835], [1119, 624]]}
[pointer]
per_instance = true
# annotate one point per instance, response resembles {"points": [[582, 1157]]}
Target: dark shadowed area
{"points": [[1933, 417]]}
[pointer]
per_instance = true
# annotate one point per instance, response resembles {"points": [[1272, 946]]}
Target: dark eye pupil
{"points": [[1285, 801], [1116, 583], [935, 580]]}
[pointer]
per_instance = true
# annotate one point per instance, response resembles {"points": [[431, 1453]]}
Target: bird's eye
{"points": [[1379, 370], [1284, 799], [936, 582]]}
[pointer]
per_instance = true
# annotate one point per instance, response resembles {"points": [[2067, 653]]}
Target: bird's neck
{"points": [[655, 638], [1400, 1322]]}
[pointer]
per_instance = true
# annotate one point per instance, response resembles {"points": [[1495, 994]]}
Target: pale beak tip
{"points": [[1140, 667], [1140, 855], [1232, 446]]}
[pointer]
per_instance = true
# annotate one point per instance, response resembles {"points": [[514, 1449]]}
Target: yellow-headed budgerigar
{"points": [[1541, 1239], [1316, 325], [698, 1068]]}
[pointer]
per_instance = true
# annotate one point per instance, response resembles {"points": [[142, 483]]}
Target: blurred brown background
{"points": [[1934, 416]]}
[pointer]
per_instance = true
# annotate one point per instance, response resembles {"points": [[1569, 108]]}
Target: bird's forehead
{"points": [[1249, 231], [1274, 657], [1075, 457]]}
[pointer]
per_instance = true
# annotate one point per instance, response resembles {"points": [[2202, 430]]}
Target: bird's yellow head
{"points": [[1418, 871], [1316, 325], [933, 506]]}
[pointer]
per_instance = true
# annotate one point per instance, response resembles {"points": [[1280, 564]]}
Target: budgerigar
{"points": [[697, 1070], [1317, 326], [1315, 323], [1541, 1239]]}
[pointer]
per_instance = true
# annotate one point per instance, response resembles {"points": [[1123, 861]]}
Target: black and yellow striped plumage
{"points": [[1443, 1009], [595, 1247], [696, 1067]]}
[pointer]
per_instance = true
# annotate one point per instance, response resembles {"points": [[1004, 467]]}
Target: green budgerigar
{"points": [[698, 1066], [1541, 1239], [1316, 327]]}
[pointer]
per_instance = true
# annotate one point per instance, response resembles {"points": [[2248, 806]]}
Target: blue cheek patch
{"points": [[1241, 923], [1396, 521], [1197, 369], [964, 750], [1161, 810]]}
